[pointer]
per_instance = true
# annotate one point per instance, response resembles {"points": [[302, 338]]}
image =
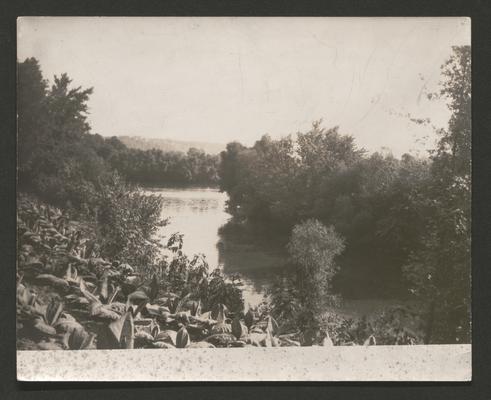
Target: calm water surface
{"points": [[198, 214]]}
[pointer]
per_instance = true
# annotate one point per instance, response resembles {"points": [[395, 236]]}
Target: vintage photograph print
{"points": [[235, 198]]}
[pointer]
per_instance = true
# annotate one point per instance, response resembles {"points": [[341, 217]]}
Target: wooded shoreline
{"points": [[87, 231]]}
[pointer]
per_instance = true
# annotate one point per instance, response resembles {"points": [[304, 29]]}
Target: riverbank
{"points": [[68, 297]]}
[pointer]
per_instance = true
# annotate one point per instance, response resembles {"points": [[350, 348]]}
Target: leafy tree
{"points": [[158, 168], [63, 163], [453, 153], [321, 174], [32, 110], [313, 247], [127, 221], [68, 109], [57, 149], [439, 269]]}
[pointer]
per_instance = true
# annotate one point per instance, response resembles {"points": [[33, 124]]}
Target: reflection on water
{"points": [[198, 214]]}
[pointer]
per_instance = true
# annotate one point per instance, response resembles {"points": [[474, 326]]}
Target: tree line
{"points": [[403, 223], [156, 167], [60, 159]]}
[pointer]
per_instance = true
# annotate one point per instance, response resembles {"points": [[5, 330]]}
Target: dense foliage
{"points": [[406, 222], [92, 274], [62, 161], [439, 266], [69, 297], [156, 168], [322, 175], [313, 248]]}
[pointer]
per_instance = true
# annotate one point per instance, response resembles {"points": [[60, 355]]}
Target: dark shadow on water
{"points": [[257, 257], [259, 254]]}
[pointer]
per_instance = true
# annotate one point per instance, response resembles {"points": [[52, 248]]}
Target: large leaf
{"points": [[256, 339], [142, 338], [219, 312], [256, 329], [127, 333], [167, 300], [167, 336], [182, 317], [221, 327], [196, 330], [179, 304], [43, 328], [87, 294], [51, 280], [78, 339], [154, 310], [71, 273], [104, 294], [182, 339], [195, 308], [114, 294], [66, 326], [104, 311], [249, 318], [135, 309], [154, 288], [122, 331], [370, 341], [221, 339], [272, 326], [138, 297], [268, 340], [238, 328], [53, 311], [205, 316], [24, 296]]}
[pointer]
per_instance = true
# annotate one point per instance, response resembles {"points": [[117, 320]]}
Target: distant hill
{"points": [[138, 142]]}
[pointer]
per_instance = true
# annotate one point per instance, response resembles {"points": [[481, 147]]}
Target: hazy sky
{"points": [[224, 79]]}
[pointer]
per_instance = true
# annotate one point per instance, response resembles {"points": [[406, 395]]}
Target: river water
{"points": [[198, 214]]}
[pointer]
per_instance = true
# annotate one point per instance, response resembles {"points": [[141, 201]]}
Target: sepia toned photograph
{"points": [[249, 198]]}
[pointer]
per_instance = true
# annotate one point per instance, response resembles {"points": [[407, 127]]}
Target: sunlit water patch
{"points": [[198, 214]]}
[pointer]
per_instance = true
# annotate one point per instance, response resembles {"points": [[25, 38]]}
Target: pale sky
{"points": [[224, 79]]}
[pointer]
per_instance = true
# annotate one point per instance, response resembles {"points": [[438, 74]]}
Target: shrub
{"points": [[313, 248], [127, 220]]}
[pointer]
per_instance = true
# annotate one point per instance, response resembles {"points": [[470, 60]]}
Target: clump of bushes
{"points": [[70, 296], [300, 301]]}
